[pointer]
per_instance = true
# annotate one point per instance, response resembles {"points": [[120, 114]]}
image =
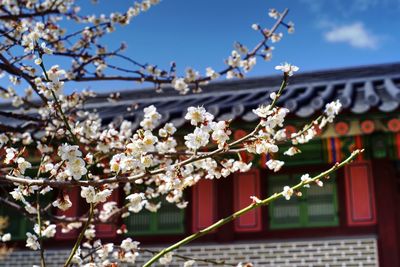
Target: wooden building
{"points": [[354, 220]]}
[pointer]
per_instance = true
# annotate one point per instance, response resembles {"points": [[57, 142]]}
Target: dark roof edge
{"points": [[342, 73]]}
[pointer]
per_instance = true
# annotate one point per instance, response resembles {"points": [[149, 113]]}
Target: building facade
{"points": [[353, 220]]}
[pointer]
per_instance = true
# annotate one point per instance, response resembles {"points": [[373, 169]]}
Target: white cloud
{"points": [[353, 34]]}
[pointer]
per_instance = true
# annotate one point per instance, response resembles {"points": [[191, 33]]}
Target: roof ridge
{"points": [[351, 73]]}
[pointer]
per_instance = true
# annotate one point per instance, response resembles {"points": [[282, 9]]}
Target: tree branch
{"points": [[250, 207]]}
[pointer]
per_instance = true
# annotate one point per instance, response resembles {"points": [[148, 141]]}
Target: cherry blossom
{"points": [[287, 192], [292, 151], [148, 157], [305, 178], [166, 259], [198, 115], [63, 203], [332, 109], [197, 139], [5, 237], [287, 68], [32, 241], [263, 111], [91, 196], [274, 165], [75, 168]]}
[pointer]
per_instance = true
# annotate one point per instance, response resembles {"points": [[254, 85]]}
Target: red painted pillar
{"points": [[108, 230], [203, 204], [73, 211], [226, 233], [247, 184], [386, 207], [360, 198]]}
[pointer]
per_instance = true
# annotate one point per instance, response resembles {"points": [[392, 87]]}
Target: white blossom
{"points": [[263, 111], [45, 190], [197, 139], [29, 208], [198, 115], [287, 68], [76, 168], [212, 73], [274, 165], [130, 256], [102, 195], [287, 192], [305, 178], [49, 231], [180, 85], [63, 203], [234, 59], [3, 139], [115, 162], [220, 133], [38, 61], [108, 208], [276, 37], [151, 118], [46, 49], [135, 202], [153, 207], [32, 241], [89, 193], [128, 244], [265, 147], [6, 237], [255, 26], [191, 75], [255, 199], [69, 152], [166, 259], [11, 154], [17, 194], [332, 109], [77, 257], [241, 166], [273, 13], [90, 232], [292, 151]]}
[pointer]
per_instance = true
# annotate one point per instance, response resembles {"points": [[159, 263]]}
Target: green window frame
{"points": [[317, 207], [169, 219], [313, 152], [17, 225]]}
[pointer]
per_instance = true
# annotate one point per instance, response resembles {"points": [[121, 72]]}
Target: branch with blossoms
{"points": [[132, 248], [152, 164], [263, 139], [91, 61], [287, 193]]}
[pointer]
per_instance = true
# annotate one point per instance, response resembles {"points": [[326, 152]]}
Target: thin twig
{"points": [[80, 237], [247, 209]]}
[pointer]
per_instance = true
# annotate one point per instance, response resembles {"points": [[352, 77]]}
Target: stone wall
{"points": [[361, 251]]}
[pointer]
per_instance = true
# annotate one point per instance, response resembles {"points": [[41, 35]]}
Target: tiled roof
{"points": [[360, 89]]}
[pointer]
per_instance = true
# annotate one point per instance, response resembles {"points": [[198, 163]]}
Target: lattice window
{"points": [[312, 153], [17, 225], [167, 220], [316, 207]]}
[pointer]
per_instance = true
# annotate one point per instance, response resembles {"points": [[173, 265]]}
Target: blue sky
{"points": [[201, 33]]}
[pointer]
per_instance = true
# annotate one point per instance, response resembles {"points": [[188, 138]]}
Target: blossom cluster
{"points": [[65, 146], [123, 152]]}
